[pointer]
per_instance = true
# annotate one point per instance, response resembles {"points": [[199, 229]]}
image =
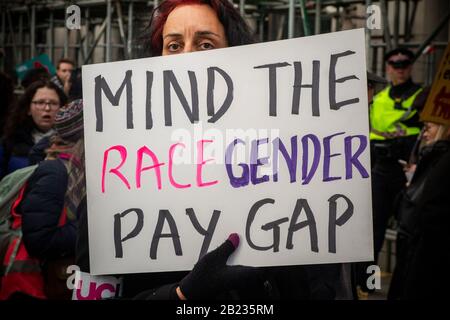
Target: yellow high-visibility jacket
{"points": [[386, 121]]}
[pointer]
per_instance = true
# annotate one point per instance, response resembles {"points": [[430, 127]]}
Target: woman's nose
{"points": [[188, 47]]}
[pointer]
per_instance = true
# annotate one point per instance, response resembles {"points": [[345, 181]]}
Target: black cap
{"points": [[403, 51]]}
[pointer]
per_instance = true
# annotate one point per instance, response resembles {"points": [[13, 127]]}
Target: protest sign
{"points": [[437, 107], [89, 287], [267, 140]]}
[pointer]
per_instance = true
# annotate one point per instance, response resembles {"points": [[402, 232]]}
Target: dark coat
{"points": [[423, 258], [41, 210]]}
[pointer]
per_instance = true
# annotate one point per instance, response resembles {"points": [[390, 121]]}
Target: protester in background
{"points": [[47, 214], [64, 69], [395, 125], [37, 152], [30, 120], [422, 259]]}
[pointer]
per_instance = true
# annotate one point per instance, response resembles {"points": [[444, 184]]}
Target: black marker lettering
{"points": [[273, 84], [206, 233], [118, 229], [102, 85], [163, 216]]}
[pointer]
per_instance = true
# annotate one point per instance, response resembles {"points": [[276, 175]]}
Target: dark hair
{"points": [[19, 117], [236, 29], [34, 75], [65, 60]]}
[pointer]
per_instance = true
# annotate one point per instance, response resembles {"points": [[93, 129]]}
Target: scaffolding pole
{"points": [[87, 32], [20, 43], [108, 30], [291, 21], [130, 30], [261, 26], [405, 25], [306, 28], [387, 33], [51, 38], [13, 40], [317, 16], [396, 23], [242, 7], [33, 31], [121, 29], [411, 22], [66, 41]]}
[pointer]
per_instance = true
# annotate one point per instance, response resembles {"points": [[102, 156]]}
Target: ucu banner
{"points": [[89, 287]]}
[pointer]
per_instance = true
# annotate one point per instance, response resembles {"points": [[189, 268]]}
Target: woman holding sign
{"points": [[188, 26], [200, 25], [181, 27]]}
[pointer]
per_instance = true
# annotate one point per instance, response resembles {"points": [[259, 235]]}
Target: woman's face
{"points": [[44, 107], [191, 28]]}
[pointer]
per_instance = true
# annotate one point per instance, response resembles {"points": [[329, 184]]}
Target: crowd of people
{"points": [[42, 159]]}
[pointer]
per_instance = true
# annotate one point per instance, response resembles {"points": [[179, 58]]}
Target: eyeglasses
{"points": [[41, 104]]}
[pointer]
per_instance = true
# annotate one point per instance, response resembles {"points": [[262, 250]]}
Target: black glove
{"points": [[211, 276]]}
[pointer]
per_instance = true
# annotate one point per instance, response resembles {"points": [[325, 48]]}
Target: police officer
{"points": [[395, 126]]}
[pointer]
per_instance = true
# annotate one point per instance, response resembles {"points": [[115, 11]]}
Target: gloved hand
{"points": [[211, 275]]}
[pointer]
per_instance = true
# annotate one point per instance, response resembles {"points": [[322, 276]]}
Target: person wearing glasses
{"points": [[29, 121], [394, 129]]}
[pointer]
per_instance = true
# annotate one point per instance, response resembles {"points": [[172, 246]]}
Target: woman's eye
{"points": [[206, 46], [173, 47]]}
